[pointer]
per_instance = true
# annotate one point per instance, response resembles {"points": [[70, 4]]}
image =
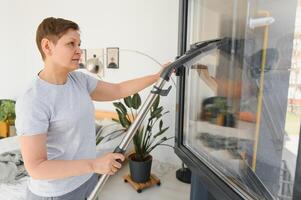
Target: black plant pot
{"points": [[140, 170], [229, 120]]}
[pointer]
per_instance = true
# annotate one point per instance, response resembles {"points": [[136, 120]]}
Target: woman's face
{"points": [[66, 52]]}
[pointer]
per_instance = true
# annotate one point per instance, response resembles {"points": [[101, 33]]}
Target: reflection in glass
{"points": [[239, 100]]}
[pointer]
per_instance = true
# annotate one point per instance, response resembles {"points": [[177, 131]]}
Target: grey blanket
{"points": [[11, 167]]}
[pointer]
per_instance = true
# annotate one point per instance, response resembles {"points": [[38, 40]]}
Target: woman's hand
{"points": [[162, 68], [107, 164]]}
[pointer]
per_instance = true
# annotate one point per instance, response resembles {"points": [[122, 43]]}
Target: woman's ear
{"points": [[47, 46]]}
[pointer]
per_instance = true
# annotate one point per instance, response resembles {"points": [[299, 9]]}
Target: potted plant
{"points": [[146, 138], [7, 116], [216, 111]]}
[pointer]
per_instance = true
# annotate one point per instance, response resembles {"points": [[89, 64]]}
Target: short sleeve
{"points": [[89, 81], [32, 117]]}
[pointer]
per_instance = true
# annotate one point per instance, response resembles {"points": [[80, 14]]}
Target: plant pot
{"points": [[4, 129], [220, 120], [140, 170], [229, 120], [12, 131]]}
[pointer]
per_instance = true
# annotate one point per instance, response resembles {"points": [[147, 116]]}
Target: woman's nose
{"points": [[79, 50]]}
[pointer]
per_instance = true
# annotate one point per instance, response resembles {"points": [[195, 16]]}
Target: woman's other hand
{"points": [[108, 163]]}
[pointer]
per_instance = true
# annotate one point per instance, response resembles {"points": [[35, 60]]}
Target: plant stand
{"points": [[154, 180]]}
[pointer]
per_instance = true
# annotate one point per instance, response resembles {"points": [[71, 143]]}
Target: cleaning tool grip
{"points": [[119, 150]]}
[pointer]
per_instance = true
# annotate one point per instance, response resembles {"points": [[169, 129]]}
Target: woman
{"points": [[55, 117]]}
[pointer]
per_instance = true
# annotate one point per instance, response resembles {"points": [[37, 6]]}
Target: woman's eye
{"points": [[71, 43]]}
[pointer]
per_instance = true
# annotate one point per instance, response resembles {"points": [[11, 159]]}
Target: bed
{"points": [[104, 126]]}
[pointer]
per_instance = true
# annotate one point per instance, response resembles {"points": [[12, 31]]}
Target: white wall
{"points": [[147, 26]]}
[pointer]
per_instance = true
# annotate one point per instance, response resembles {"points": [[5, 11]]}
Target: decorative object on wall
{"points": [[92, 60], [83, 59], [113, 57], [143, 54]]}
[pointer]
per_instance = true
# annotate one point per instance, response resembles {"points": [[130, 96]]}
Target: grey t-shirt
{"points": [[66, 114]]}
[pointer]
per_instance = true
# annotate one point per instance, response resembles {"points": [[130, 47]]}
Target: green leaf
{"points": [[160, 125], [2, 117], [138, 141], [121, 107], [136, 100], [120, 117], [139, 100], [98, 140], [123, 120], [115, 120], [128, 101], [158, 116], [161, 132], [158, 143], [149, 128], [156, 113], [115, 104]]}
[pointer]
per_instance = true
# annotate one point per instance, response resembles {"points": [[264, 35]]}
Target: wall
{"points": [[147, 26]]}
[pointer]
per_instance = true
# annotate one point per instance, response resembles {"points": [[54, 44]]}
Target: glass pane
{"points": [[242, 102]]}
